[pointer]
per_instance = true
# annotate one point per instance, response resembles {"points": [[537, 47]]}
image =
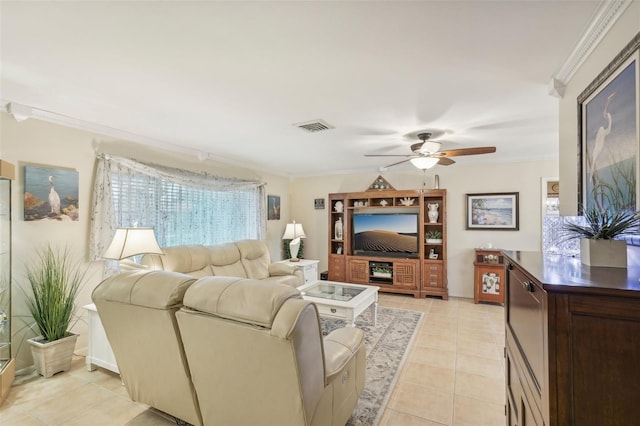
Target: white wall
{"points": [[624, 30], [36, 142], [458, 180]]}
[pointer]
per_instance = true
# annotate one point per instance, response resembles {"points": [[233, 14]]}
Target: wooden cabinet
{"points": [[572, 344], [420, 273], [488, 276]]}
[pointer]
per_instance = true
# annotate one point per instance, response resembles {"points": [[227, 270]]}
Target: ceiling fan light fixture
{"points": [[424, 163], [430, 147]]}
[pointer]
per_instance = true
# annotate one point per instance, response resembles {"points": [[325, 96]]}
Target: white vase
{"points": [[611, 253], [338, 229], [52, 357], [432, 213]]}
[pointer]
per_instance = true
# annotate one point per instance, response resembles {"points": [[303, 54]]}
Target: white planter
{"points": [[611, 253], [434, 240], [52, 357], [382, 274]]}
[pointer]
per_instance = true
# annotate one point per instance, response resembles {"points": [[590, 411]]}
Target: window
{"points": [[183, 207]]}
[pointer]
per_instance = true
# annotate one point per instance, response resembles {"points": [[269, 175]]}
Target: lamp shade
{"points": [[129, 242], [293, 230], [424, 163]]}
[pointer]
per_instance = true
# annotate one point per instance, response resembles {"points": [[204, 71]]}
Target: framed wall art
{"points": [[609, 136], [494, 211], [50, 193], [273, 206], [318, 203]]}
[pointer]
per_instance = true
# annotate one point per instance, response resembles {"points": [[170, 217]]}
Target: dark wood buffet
{"points": [[572, 342]]}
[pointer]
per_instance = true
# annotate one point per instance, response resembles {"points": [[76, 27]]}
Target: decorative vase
{"points": [[610, 253], [436, 182], [433, 213], [338, 229], [52, 357]]}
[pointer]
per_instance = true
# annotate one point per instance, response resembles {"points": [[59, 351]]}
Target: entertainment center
{"points": [[396, 240]]}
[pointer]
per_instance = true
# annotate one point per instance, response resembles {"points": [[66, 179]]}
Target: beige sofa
{"points": [[244, 259], [239, 352]]}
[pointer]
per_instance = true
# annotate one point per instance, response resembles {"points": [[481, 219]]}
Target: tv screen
{"points": [[385, 234]]}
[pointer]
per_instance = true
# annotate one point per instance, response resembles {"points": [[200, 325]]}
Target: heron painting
{"points": [[50, 194], [609, 145]]}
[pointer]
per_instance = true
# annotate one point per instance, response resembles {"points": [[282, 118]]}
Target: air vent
{"points": [[314, 126]]}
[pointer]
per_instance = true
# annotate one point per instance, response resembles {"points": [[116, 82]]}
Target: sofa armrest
{"points": [[340, 346], [277, 269]]}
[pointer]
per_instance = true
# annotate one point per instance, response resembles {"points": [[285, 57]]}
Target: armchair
{"points": [[257, 356]]}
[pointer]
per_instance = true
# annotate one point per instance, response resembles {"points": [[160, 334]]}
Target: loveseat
{"points": [[229, 351], [243, 259]]}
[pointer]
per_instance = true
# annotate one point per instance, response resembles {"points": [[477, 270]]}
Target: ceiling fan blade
{"points": [[387, 155], [444, 161], [467, 151], [399, 162]]}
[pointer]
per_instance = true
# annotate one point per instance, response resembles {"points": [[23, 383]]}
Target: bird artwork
{"points": [[54, 198]]}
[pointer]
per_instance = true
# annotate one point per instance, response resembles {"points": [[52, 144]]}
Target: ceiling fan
{"points": [[427, 154]]}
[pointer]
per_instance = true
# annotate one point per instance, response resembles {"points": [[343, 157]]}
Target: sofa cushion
{"points": [[225, 261], [290, 280], [192, 260], [239, 299], [255, 258]]}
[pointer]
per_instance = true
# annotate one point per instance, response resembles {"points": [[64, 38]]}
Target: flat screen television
{"points": [[385, 234]]}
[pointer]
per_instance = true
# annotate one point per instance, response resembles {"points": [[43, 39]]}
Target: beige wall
{"points": [[458, 180], [39, 143], [624, 30]]}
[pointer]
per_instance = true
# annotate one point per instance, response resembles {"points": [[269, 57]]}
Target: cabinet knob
{"points": [[510, 266], [528, 286]]}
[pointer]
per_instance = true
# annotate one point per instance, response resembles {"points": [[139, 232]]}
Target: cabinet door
{"points": [[358, 271], [405, 274], [489, 283], [337, 271]]}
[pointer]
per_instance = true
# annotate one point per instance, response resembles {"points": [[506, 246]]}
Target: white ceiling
{"points": [[229, 79]]}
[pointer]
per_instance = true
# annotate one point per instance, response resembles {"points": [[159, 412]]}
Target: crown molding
{"points": [[603, 19]]}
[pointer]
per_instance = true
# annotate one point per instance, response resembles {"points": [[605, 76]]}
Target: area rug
{"points": [[386, 345]]}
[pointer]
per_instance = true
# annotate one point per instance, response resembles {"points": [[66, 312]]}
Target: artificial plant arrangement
{"points": [[598, 243], [55, 281], [433, 235]]}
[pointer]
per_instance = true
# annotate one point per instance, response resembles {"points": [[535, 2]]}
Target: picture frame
{"points": [[493, 211], [273, 207], [318, 203], [51, 193], [608, 135]]}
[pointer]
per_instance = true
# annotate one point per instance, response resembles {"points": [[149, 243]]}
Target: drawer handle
{"points": [[509, 266], [333, 310], [528, 286]]}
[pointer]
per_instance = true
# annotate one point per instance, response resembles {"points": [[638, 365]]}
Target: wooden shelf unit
{"points": [[419, 276]]}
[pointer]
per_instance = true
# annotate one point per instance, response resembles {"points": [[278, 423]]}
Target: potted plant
{"points": [[598, 243], [382, 271], [433, 237], [54, 282]]}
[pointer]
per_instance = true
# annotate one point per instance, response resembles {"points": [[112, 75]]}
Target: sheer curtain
{"points": [[183, 207]]}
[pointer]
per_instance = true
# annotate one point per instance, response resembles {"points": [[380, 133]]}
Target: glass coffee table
{"points": [[342, 300]]}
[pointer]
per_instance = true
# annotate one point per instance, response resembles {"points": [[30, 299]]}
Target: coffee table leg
{"points": [[351, 319], [374, 313]]}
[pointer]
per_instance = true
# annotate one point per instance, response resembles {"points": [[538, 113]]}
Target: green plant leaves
{"points": [[55, 281]]}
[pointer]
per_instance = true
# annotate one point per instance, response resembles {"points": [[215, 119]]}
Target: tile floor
{"points": [[453, 375]]}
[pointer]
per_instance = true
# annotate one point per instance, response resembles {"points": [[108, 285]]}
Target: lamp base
{"points": [[294, 259]]}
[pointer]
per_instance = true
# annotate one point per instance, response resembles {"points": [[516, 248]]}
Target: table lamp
{"points": [[294, 232], [129, 242]]}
